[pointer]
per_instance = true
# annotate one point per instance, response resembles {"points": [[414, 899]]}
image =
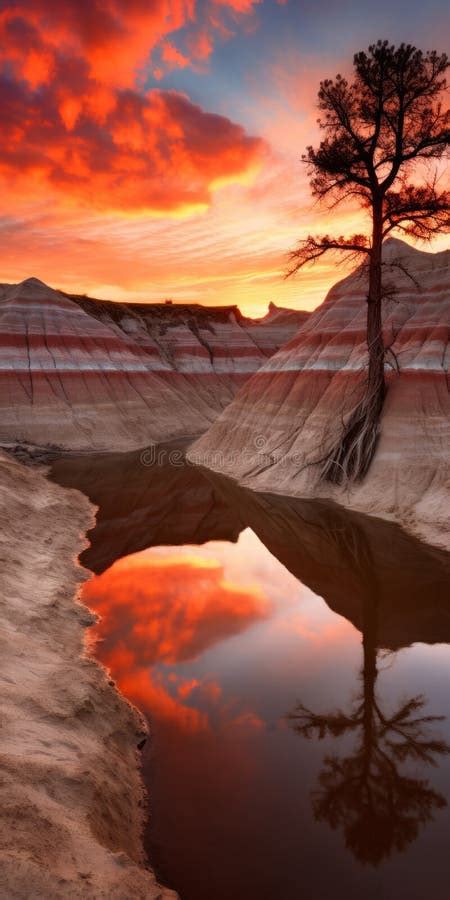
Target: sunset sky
{"points": [[151, 148]]}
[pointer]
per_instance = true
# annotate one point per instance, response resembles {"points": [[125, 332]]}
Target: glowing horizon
{"points": [[153, 150]]}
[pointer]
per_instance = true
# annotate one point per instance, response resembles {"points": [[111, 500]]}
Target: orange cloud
{"points": [[239, 6], [80, 130], [113, 37], [171, 55], [154, 152], [201, 44]]}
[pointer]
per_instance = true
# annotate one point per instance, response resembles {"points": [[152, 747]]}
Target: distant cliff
{"points": [[91, 374]]}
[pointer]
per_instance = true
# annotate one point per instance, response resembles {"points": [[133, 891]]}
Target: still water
{"points": [[293, 661]]}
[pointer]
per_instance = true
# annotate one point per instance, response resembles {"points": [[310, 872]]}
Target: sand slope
{"points": [[71, 798]]}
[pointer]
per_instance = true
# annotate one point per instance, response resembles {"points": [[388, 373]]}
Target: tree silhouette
{"points": [[379, 808], [378, 127]]}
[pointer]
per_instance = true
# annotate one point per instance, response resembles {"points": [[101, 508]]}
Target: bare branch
{"points": [[312, 248], [417, 211]]}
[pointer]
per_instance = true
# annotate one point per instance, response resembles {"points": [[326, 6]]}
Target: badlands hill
{"points": [[284, 419], [91, 374]]}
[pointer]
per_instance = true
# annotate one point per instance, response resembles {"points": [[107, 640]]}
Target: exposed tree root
{"points": [[350, 459]]}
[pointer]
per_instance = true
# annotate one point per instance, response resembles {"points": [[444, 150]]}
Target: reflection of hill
{"points": [[343, 556], [346, 557], [374, 785], [168, 609], [144, 505]]}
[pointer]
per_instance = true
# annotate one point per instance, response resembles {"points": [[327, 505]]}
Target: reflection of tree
{"points": [[379, 808]]}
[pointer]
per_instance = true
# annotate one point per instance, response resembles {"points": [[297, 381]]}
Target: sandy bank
{"points": [[71, 795]]}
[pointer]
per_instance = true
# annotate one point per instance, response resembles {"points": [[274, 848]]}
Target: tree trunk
{"points": [[376, 388], [351, 458], [369, 672]]}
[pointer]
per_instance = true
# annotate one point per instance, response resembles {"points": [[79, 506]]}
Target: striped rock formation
{"points": [[285, 419], [87, 374]]}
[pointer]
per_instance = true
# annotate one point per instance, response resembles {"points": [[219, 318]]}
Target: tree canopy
{"points": [[378, 126]]}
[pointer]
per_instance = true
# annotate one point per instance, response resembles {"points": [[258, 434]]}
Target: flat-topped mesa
{"points": [[279, 428], [91, 374]]}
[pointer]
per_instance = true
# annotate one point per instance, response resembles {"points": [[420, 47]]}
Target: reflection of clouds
{"points": [[170, 610], [248, 563], [246, 721], [316, 633], [165, 607], [147, 689], [159, 610]]}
